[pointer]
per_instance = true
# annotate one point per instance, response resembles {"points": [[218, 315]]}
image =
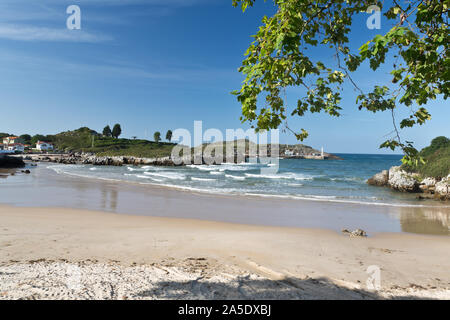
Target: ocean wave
{"points": [[140, 176], [204, 167], [65, 169], [202, 179], [294, 176], [346, 179], [167, 175], [216, 172], [235, 177], [134, 169], [148, 177], [235, 167]]}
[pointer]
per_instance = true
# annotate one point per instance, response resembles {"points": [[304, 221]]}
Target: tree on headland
{"points": [[282, 55], [157, 136], [26, 138], [107, 131], [169, 135], [38, 137], [116, 131]]}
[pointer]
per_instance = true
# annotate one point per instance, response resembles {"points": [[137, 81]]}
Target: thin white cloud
{"points": [[30, 33], [57, 68]]}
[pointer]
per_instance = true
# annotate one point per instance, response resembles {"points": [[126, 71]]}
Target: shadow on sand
{"points": [[260, 289]]}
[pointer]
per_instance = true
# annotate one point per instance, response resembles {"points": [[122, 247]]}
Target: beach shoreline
{"points": [[315, 263], [46, 188]]}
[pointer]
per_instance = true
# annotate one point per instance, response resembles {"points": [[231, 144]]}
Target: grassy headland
{"points": [[87, 140]]}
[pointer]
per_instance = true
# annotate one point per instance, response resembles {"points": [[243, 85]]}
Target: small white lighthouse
{"points": [[322, 152]]}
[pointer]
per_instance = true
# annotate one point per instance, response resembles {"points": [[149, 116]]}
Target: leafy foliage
{"points": [[107, 131], [40, 137], [169, 135], [277, 59], [26, 138], [157, 136], [116, 131], [437, 159]]}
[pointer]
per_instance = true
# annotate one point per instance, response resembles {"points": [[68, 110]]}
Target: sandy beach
{"points": [[56, 253]]}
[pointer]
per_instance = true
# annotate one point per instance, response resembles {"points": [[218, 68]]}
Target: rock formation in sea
{"points": [[400, 180]]}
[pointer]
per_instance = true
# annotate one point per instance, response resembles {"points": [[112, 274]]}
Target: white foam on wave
{"points": [[167, 175], [235, 177], [202, 179], [60, 170], [204, 167], [148, 177], [293, 176], [235, 167], [92, 169], [216, 172], [140, 176], [353, 179], [133, 169]]}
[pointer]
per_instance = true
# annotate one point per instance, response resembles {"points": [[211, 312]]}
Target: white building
{"points": [[12, 140], [289, 153], [17, 147], [44, 146]]}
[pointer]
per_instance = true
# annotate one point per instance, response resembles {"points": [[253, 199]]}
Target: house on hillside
{"points": [[44, 146], [289, 153], [12, 140]]}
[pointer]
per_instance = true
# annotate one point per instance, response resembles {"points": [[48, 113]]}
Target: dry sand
{"points": [[52, 253]]}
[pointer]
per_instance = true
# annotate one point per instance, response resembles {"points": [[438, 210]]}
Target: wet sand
{"points": [[123, 256]]}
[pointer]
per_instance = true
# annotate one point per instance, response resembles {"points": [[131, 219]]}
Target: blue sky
{"points": [[154, 65]]}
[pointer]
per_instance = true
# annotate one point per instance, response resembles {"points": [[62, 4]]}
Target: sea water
{"points": [[321, 180]]}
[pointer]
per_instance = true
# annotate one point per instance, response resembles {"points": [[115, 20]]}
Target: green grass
{"points": [[87, 140], [437, 158]]}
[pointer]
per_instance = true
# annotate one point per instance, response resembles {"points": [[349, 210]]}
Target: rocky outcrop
{"points": [[403, 181], [380, 179], [442, 188], [427, 185], [89, 158], [11, 162]]}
